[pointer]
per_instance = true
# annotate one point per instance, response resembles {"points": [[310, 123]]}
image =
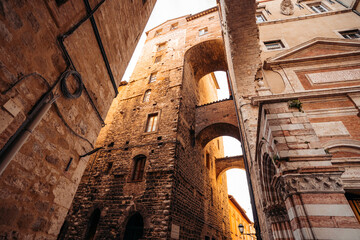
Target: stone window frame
{"points": [[158, 32], [157, 58], [261, 13], [205, 31], [311, 7], [138, 168], [341, 32], [174, 26], [158, 113], [153, 77], [281, 40], [161, 46], [146, 96]]}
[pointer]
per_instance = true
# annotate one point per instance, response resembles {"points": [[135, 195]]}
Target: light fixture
{"points": [[241, 228]]}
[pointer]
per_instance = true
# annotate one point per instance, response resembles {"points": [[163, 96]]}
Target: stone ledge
{"points": [[256, 100]]}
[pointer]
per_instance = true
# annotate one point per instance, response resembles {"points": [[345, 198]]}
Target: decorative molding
{"points": [[256, 100], [287, 7], [291, 184]]}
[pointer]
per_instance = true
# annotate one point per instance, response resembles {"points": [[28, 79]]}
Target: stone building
{"points": [[294, 80], [156, 175], [40, 42], [238, 216]]}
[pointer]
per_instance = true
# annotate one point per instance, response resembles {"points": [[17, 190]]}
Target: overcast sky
{"points": [[170, 9]]}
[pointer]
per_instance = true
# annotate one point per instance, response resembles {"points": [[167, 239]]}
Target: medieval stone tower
{"points": [[155, 176]]}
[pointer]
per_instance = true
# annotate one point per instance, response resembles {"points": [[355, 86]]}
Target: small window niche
{"points": [[174, 26], [274, 45], [350, 34], [207, 160], [139, 167], [147, 96], [161, 46], [152, 77], [151, 122], [203, 31], [318, 7], [157, 59]]}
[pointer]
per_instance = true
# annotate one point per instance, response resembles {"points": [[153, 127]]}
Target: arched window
{"points": [[134, 227], [139, 166], [93, 223], [147, 96]]}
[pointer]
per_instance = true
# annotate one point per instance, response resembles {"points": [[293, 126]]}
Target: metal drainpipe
{"points": [[21, 139]]}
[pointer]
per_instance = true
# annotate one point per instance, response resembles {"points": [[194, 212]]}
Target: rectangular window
{"points": [[157, 59], [203, 31], [318, 8], [274, 45], [161, 46], [260, 18], [158, 32], [174, 26], [152, 77], [151, 122], [351, 34], [207, 159]]}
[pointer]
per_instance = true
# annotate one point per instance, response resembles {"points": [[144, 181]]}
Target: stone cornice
{"points": [[304, 17], [200, 14], [308, 94]]}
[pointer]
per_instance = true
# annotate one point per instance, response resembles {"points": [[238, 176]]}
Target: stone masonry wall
{"points": [[35, 190]]}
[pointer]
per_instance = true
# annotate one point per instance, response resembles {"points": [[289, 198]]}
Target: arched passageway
{"points": [[134, 227]]}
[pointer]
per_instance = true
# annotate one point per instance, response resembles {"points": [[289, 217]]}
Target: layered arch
{"points": [[205, 57], [217, 130]]}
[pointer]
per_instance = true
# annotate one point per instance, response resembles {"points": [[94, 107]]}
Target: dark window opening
{"points": [[109, 166], [274, 45], [192, 137], [60, 2], [351, 34], [134, 227], [139, 166], [111, 144], [354, 201], [92, 225]]}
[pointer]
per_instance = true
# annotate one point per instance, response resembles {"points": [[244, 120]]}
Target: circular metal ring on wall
{"points": [[64, 88]]}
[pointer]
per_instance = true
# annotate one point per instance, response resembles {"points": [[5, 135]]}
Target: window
{"points": [[260, 18], [152, 77], [318, 8], [139, 166], [207, 159], [161, 46], [147, 96], [174, 26], [203, 31], [274, 45], [354, 201], [211, 18], [151, 122], [157, 59], [158, 32], [351, 34]]}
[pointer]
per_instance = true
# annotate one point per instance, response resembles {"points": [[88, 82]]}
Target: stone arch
{"points": [[217, 130], [224, 164], [205, 57], [134, 227]]}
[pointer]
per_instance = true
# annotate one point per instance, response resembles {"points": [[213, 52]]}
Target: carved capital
{"points": [[291, 184]]}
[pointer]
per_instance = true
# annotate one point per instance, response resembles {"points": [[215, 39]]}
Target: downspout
{"points": [[21, 139], [101, 46]]}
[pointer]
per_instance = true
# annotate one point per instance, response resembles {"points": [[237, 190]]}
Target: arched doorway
{"points": [[93, 223], [134, 227]]}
